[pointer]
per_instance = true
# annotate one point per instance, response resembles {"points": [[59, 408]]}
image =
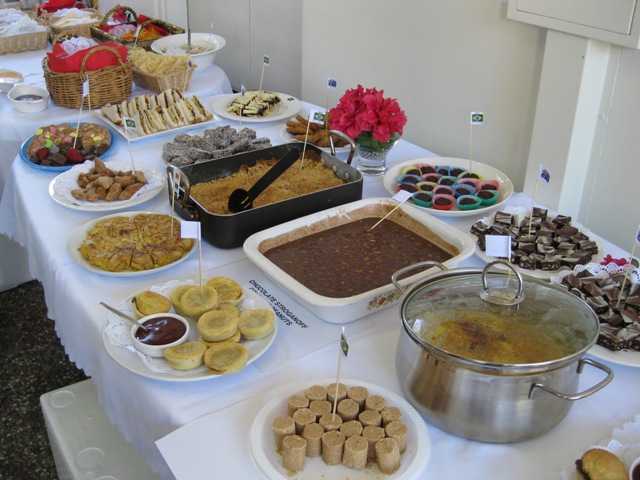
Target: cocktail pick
{"points": [[85, 93], [400, 197], [192, 230], [344, 351], [544, 174], [265, 63], [175, 188], [315, 116], [477, 118], [129, 123], [243, 90]]}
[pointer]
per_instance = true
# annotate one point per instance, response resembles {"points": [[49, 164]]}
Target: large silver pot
{"points": [[464, 365]]}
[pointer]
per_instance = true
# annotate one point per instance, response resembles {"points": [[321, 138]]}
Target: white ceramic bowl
{"points": [[347, 309], [8, 78], [26, 105], [214, 43], [158, 350]]}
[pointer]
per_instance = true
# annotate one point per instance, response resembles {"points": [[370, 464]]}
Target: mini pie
{"points": [[236, 337], [148, 302], [198, 299], [217, 325], [175, 296], [256, 324], [186, 356], [226, 357], [229, 291]]}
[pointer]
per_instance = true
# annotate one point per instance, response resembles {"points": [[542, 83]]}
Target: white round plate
{"points": [[287, 137], [288, 107], [60, 186], [629, 358], [487, 172], [269, 462], [78, 236], [132, 361]]}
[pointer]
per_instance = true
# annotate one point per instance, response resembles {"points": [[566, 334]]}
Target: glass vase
{"points": [[372, 155]]}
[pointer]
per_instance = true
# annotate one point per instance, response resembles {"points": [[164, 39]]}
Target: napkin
{"points": [[624, 442]]}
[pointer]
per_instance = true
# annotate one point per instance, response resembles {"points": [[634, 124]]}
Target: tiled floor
{"points": [[32, 362]]}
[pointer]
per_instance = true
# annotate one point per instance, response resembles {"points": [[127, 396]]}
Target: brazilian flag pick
{"points": [[344, 346], [477, 118]]}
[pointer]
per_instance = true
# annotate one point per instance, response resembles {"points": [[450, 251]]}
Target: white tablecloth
{"points": [[147, 409]]}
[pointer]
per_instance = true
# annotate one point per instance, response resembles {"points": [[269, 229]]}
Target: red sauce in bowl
{"points": [[161, 331]]}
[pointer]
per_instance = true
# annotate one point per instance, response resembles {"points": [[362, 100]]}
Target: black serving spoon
{"points": [[241, 199]]}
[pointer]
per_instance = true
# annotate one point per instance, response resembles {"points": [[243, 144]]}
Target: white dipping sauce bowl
{"points": [[207, 40], [158, 350], [28, 106]]}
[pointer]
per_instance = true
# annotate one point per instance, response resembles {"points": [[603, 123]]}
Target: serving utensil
{"points": [[123, 315], [241, 199]]}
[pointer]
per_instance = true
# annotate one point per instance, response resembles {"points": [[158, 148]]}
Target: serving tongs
{"points": [[241, 199]]}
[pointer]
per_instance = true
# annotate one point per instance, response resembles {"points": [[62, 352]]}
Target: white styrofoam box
{"points": [[85, 445]]}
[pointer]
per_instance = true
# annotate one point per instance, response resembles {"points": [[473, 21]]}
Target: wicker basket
{"points": [[159, 83], [24, 42], [111, 84], [102, 36], [83, 29]]}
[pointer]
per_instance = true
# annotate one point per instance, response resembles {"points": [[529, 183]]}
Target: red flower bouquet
{"points": [[370, 119]]}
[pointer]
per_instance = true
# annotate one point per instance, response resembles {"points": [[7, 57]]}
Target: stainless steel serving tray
{"points": [[230, 231]]}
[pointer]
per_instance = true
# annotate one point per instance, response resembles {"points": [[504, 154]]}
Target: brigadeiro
{"points": [[488, 197], [464, 189], [443, 202], [422, 199], [468, 202], [426, 186]]}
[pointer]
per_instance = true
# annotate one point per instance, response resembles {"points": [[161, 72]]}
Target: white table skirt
{"points": [[146, 410]]}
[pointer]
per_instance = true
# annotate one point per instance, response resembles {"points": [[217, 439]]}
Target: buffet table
{"points": [[16, 127], [217, 413]]}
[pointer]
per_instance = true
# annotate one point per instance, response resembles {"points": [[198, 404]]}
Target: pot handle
{"points": [[579, 395], [501, 297], [346, 138], [402, 271]]}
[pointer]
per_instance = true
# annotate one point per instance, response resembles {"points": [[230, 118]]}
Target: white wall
{"points": [[253, 28], [442, 60]]}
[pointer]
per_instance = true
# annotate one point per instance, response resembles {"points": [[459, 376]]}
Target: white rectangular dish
{"points": [[347, 309]]}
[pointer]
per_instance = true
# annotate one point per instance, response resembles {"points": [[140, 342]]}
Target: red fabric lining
{"points": [[59, 62]]}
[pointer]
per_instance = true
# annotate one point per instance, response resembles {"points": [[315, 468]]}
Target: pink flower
{"points": [[367, 111]]}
